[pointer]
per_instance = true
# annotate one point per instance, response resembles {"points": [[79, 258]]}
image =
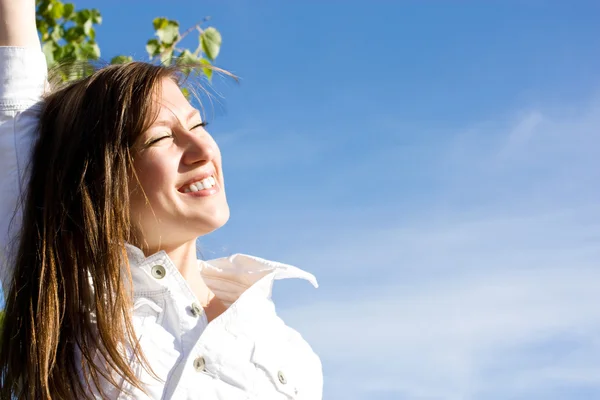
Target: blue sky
{"points": [[434, 164]]}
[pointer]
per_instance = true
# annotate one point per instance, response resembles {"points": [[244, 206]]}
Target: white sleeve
{"points": [[23, 74]]}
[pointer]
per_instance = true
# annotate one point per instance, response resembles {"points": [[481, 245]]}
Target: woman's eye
{"points": [[158, 139], [201, 124]]}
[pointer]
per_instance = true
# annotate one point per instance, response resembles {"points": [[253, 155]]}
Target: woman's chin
{"points": [[214, 222]]}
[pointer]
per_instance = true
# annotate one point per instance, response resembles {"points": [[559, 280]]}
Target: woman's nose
{"points": [[198, 149]]}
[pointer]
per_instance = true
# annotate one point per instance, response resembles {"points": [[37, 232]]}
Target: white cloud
{"points": [[490, 291], [436, 336]]}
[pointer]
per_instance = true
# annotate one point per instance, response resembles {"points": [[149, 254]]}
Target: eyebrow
{"points": [[167, 121]]}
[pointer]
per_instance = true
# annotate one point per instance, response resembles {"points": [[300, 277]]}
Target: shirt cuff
{"points": [[23, 74]]}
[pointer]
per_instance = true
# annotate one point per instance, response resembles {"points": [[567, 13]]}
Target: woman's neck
{"points": [[184, 258]]}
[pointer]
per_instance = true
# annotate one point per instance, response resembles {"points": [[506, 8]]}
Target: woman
{"points": [[106, 184]]}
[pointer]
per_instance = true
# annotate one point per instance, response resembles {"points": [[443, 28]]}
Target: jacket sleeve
{"points": [[23, 74]]}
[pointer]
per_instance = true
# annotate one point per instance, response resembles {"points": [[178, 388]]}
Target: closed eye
{"points": [[201, 124], [156, 140]]}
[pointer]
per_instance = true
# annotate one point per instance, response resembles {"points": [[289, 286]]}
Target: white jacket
{"points": [[246, 353]]}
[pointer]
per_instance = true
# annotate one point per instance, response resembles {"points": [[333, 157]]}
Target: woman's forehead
{"points": [[171, 104], [167, 115]]}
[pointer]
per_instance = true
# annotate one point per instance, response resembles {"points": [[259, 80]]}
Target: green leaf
{"points": [[96, 16], [93, 51], [187, 61], [83, 16], [57, 10], [57, 33], [74, 34], [81, 51], [42, 6], [51, 22], [87, 27], [87, 51], [153, 48], [186, 92], [68, 11], [42, 27], [166, 57], [207, 71], [121, 59], [159, 23], [191, 63], [211, 42], [67, 52], [186, 57], [48, 49], [169, 33]]}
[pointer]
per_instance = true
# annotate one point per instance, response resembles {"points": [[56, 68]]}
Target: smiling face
{"points": [[178, 164]]}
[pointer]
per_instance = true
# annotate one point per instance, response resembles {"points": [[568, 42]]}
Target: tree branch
{"points": [[181, 37]]}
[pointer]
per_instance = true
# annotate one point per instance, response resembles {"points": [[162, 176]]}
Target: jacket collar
{"points": [[227, 275]]}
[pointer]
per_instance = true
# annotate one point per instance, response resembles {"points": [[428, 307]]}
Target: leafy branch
{"points": [[69, 35], [164, 48]]}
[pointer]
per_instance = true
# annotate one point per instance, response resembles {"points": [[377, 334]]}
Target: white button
{"points": [[281, 377], [158, 271], [199, 364], [196, 310]]}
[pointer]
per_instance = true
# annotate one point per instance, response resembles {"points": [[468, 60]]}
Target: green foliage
{"points": [[121, 59], [167, 31], [68, 36], [211, 42], [165, 47]]}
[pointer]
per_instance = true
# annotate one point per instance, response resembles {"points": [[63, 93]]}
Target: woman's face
{"points": [[179, 168]]}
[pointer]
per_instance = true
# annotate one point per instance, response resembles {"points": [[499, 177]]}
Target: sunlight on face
{"points": [[179, 168]]}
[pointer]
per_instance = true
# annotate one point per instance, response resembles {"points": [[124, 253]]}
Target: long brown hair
{"points": [[67, 314]]}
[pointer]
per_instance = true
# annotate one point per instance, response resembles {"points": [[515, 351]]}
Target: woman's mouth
{"points": [[205, 183], [205, 187]]}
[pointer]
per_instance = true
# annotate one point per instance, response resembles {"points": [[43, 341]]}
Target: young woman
{"points": [[105, 186]]}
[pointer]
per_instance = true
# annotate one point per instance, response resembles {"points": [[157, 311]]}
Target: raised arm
{"points": [[22, 80], [17, 23]]}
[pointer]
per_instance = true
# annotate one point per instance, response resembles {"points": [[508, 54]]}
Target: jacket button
{"points": [[158, 271], [196, 310], [282, 378], [199, 364]]}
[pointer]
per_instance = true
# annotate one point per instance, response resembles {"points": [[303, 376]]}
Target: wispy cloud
{"points": [[488, 291], [463, 336]]}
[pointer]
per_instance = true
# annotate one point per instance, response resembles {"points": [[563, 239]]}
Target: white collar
{"points": [[238, 270]]}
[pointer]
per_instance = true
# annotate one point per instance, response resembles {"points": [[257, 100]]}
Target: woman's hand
{"points": [[17, 23]]}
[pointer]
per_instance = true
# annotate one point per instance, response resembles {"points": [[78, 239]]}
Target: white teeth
{"points": [[205, 183]]}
